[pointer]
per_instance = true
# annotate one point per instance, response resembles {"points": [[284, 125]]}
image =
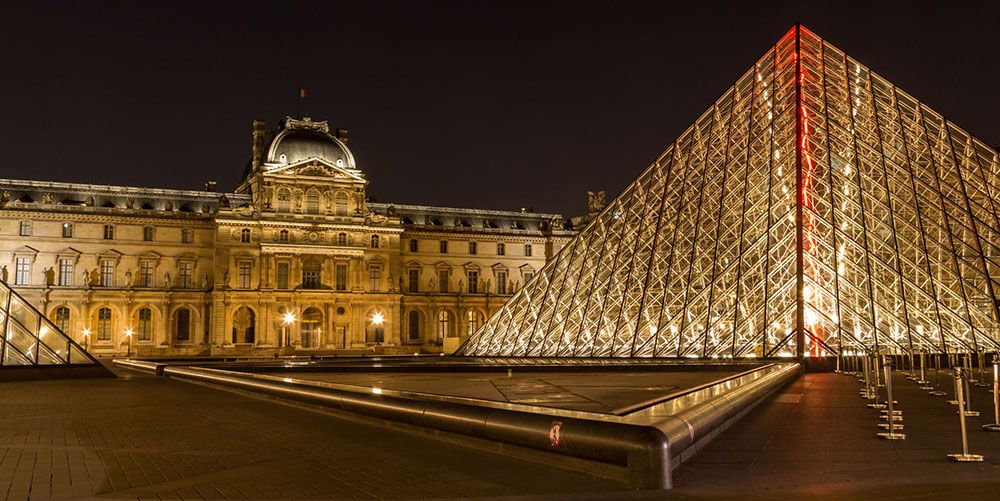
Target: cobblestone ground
{"points": [[144, 437]]}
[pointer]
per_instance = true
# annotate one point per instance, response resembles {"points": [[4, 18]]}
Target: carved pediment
{"points": [[315, 167]]}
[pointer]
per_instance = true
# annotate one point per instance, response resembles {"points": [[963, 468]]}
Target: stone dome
{"points": [[304, 139]]}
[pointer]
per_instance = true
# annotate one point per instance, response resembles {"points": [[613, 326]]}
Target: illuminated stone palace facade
{"points": [[295, 260]]}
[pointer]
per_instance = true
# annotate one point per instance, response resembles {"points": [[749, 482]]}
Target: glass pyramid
{"points": [[891, 245], [30, 339]]}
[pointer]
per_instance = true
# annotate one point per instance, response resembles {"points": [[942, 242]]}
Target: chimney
{"points": [[210, 186], [341, 134], [258, 144]]}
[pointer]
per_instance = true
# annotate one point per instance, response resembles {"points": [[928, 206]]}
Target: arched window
{"points": [[312, 333], [62, 318], [245, 235], [341, 238], [312, 202], [444, 324], [283, 236], [243, 325], [144, 324], [182, 325], [414, 331], [374, 241], [284, 201], [104, 324], [474, 320], [340, 204], [311, 269]]}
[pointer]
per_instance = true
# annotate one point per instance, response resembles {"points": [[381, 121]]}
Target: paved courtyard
{"points": [[140, 436]]}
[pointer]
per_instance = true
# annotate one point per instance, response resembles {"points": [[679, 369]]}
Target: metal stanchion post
{"points": [[980, 356], [958, 382], [867, 392], [968, 394], [964, 456], [891, 417], [924, 384], [937, 378], [968, 365], [878, 372], [996, 400]]}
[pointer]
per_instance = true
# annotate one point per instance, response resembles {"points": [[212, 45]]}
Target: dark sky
{"points": [[469, 104]]}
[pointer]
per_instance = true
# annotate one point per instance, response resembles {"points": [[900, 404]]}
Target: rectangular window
{"points": [[341, 278], [527, 250], [374, 276], [25, 228], [146, 274], [244, 274], [501, 282], [413, 245], [500, 249], [147, 234], [187, 235], [472, 247], [312, 202], [473, 277], [107, 273], [104, 324], [184, 277], [67, 230], [442, 280], [145, 325], [109, 232], [282, 275], [527, 276], [66, 272], [444, 247], [414, 276], [62, 318], [23, 271]]}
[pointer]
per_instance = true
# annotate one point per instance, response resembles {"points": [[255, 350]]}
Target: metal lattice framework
{"points": [[30, 339], [891, 247]]}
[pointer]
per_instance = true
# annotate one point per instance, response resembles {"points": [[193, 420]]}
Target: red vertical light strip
{"points": [[809, 223]]}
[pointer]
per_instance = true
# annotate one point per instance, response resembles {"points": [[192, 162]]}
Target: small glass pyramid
{"points": [[30, 339], [814, 209]]}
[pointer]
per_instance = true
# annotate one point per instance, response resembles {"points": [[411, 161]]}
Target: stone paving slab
{"points": [[145, 437], [822, 443]]}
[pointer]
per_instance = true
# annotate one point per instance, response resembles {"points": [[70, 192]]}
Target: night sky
{"points": [[469, 104]]}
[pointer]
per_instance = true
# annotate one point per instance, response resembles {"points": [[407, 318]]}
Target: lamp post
{"points": [[86, 339], [289, 320], [377, 320], [128, 336]]}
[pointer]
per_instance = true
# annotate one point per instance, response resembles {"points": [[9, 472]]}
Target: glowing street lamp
{"points": [[377, 320], [128, 335], [285, 335], [86, 339]]}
